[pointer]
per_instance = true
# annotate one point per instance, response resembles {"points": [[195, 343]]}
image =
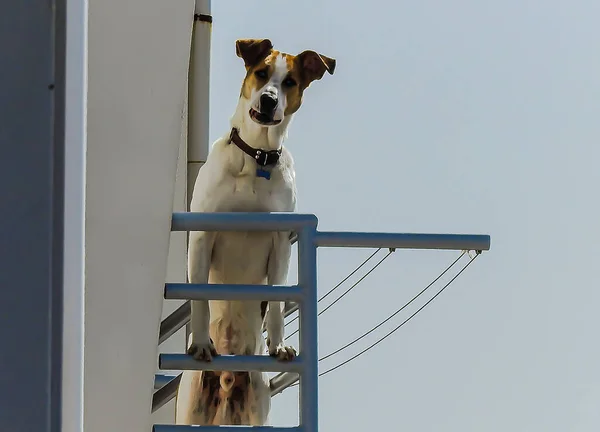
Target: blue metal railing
{"points": [[178, 428], [304, 293]]}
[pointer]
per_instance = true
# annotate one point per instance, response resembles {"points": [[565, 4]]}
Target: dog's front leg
{"points": [[199, 256], [277, 270]]}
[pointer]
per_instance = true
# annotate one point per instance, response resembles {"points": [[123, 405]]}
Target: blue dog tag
{"points": [[262, 173]]}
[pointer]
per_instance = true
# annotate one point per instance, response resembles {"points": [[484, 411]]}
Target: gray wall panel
{"points": [[32, 44]]}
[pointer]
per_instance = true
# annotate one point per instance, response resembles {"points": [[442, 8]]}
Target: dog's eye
{"points": [[289, 82], [262, 74]]}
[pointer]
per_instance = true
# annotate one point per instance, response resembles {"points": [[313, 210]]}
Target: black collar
{"points": [[262, 157]]}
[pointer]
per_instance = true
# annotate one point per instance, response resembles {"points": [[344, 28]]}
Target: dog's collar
{"points": [[262, 157]]}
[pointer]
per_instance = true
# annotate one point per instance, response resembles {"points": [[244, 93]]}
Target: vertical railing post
{"points": [[309, 379]]}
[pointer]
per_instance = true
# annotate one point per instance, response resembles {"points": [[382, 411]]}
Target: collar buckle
{"points": [[262, 158]]}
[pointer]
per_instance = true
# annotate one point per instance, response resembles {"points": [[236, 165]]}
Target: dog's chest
{"points": [[228, 182], [247, 192], [241, 257]]}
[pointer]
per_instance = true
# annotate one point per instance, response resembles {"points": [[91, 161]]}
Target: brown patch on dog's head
{"points": [[252, 50], [314, 65], [258, 56], [274, 72], [305, 68]]}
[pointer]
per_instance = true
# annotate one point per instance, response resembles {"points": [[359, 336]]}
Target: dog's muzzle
{"points": [[268, 104]]}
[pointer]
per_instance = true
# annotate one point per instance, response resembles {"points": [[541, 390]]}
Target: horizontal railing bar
{"points": [[241, 221], [187, 428], [175, 321], [180, 317], [182, 291], [293, 222], [160, 380], [403, 241], [282, 381], [262, 363]]}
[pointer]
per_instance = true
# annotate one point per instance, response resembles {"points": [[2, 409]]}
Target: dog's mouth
{"points": [[262, 119]]}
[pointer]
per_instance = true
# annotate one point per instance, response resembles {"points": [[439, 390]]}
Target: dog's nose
{"points": [[268, 103]]}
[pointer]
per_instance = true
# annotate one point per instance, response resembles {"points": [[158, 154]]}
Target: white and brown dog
{"points": [[248, 170]]}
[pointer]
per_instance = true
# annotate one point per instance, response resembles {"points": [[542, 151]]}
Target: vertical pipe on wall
{"points": [[198, 99], [198, 96], [74, 214]]}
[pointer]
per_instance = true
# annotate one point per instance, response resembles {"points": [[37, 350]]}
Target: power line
{"points": [[350, 275], [356, 283], [399, 326], [351, 287], [395, 313], [340, 283]]}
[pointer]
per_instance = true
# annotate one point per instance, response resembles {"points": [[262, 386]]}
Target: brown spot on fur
{"points": [[252, 50], [304, 68], [258, 74], [314, 65], [294, 92], [215, 401], [238, 394], [208, 401], [259, 59], [237, 419], [236, 400]]}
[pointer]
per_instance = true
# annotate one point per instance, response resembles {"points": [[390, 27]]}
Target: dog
{"points": [[248, 170]]}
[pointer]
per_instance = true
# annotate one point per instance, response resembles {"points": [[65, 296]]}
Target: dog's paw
{"points": [[282, 352], [202, 351]]}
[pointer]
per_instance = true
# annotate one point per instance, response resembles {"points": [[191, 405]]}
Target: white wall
{"points": [[138, 61], [176, 270]]}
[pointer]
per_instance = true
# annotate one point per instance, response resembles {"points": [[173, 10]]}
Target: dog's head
{"points": [[275, 81]]}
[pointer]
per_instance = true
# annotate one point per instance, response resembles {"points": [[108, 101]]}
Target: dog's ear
{"points": [[314, 65], [252, 50]]}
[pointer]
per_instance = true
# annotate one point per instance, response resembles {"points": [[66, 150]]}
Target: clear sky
{"points": [[463, 116]]}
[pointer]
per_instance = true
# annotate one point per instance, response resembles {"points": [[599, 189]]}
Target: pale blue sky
{"points": [[462, 116]]}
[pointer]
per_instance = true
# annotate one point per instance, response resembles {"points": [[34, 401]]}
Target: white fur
{"points": [[228, 183]]}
